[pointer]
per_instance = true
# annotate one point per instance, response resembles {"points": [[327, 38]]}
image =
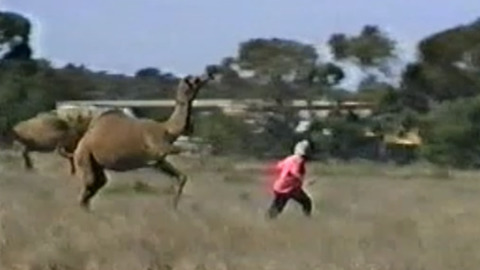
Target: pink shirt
{"points": [[291, 173]]}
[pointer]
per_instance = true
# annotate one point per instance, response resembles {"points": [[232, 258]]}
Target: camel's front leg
{"points": [[166, 167]]}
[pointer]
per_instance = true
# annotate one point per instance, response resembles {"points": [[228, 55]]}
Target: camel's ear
{"points": [[188, 80], [197, 81]]}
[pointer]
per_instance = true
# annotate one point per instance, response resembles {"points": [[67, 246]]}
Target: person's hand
{"points": [[310, 182]]}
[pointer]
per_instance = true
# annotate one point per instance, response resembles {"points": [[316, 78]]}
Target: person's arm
{"points": [[280, 165], [296, 170]]}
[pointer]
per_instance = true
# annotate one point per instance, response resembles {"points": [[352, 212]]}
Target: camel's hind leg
{"points": [[91, 187], [23, 148], [166, 167], [94, 178], [26, 158], [72, 165]]}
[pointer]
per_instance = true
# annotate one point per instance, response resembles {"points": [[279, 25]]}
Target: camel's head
{"points": [[190, 85]]}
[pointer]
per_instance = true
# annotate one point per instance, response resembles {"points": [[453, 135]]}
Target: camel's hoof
{"points": [[85, 206], [30, 170], [176, 199]]}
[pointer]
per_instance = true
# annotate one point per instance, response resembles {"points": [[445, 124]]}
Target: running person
{"points": [[289, 182]]}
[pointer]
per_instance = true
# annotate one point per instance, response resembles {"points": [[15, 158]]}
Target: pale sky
{"points": [[183, 36]]}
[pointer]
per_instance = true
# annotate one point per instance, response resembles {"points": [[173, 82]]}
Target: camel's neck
{"points": [[179, 119]]}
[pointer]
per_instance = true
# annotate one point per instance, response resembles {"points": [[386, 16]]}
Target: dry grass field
{"points": [[366, 217]]}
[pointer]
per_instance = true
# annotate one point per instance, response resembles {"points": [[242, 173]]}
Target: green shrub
{"points": [[226, 134], [451, 134], [272, 137]]}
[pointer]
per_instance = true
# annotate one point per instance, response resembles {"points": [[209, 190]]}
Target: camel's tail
{"points": [[14, 141], [12, 137]]}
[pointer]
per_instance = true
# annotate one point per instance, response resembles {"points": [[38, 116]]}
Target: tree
{"points": [[451, 132], [458, 45], [330, 74], [15, 36], [448, 68], [23, 95], [227, 135], [149, 72], [277, 58], [228, 73], [384, 96], [370, 49]]}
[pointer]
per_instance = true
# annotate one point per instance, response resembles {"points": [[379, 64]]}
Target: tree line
{"points": [[438, 93]]}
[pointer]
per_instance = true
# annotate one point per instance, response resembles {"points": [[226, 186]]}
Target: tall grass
{"points": [[366, 216]]}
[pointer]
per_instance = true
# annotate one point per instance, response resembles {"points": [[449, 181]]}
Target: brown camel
{"points": [[57, 131], [120, 143], [45, 132]]}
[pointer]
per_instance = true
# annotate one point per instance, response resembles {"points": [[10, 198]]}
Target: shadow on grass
{"points": [[137, 188]]}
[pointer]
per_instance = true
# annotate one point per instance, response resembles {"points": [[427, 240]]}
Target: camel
{"points": [[45, 132], [118, 143], [57, 130]]}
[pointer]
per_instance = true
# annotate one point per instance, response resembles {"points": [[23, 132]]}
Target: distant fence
{"points": [[232, 106]]}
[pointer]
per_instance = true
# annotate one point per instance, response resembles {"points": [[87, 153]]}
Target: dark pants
{"points": [[280, 200]]}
